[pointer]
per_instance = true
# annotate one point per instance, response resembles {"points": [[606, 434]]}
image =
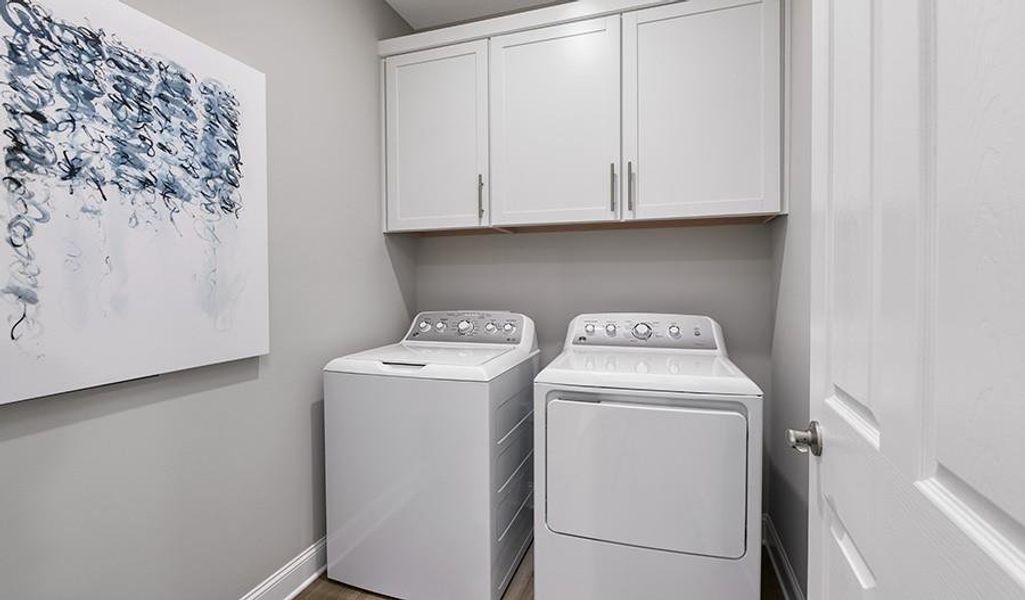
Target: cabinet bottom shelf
{"points": [[699, 222]]}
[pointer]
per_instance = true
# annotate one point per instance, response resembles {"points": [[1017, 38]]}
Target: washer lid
{"points": [[696, 372], [467, 362], [462, 355]]}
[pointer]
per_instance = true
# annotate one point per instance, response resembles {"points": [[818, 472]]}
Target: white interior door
{"points": [[918, 331], [701, 109], [437, 138], [555, 124]]}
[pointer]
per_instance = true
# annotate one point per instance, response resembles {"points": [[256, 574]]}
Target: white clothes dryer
{"points": [[648, 464], [429, 463]]}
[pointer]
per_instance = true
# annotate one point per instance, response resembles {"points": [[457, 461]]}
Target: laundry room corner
{"points": [[512, 300]]}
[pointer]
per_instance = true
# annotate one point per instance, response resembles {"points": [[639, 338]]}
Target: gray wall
{"points": [[200, 484], [722, 271], [791, 246]]}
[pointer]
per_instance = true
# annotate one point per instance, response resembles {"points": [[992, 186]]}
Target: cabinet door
{"points": [[701, 109], [555, 124], [437, 138]]}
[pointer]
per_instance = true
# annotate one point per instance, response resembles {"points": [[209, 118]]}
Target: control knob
{"points": [[674, 331], [610, 329], [491, 327], [464, 327], [642, 331], [508, 328], [589, 329], [440, 326], [424, 326]]}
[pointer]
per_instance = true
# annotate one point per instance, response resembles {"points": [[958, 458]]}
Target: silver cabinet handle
{"points": [[612, 187], [630, 186], [480, 197], [806, 440]]}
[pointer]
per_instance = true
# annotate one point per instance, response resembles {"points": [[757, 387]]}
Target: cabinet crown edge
{"points": [[531, 19]]}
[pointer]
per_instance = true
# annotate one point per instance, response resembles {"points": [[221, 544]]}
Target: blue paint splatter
{"points": [[89, 113]]}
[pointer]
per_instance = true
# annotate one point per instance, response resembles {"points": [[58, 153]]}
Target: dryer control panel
{"points": [[645, 330], [486, 327]]}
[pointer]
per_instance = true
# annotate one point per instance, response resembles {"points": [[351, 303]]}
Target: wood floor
{"points": [[521, 588]]}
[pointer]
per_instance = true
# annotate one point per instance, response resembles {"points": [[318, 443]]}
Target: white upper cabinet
{"points": [[701, 109], [437, 138], [555, 124], [663, 113]]}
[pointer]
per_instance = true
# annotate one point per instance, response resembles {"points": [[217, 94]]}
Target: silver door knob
{"points": [[806, 440]]}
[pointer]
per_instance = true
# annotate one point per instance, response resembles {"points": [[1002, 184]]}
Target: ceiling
{"points": [[424, 14]]}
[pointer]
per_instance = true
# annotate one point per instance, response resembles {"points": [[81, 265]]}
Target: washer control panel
{"points": [[645, 330], [486, 327]]}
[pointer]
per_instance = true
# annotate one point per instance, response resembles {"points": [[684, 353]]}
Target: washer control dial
{"points": [[642, 331], [469, 326], [589, 329], [610, 329], [674, 331]]}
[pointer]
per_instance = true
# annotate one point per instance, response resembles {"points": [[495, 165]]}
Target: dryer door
{"points": [[655, 476]]}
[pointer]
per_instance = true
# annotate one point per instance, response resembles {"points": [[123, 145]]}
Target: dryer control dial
{"points": [[642, 331]]}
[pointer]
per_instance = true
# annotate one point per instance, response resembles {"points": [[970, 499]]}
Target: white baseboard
{"points": [[294, 577], [788, 580]]}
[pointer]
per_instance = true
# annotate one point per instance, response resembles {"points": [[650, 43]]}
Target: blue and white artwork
{"points": [[133, 200]]}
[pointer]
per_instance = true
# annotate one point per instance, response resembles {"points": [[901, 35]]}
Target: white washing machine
{"points": [[648, 464], [429, 458]]}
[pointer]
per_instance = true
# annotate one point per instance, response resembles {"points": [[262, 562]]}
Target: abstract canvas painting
{"points": [[133, 199]]}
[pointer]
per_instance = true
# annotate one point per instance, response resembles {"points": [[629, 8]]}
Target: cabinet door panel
{"points": [[701, 109], [437, 138], [555, 124]]}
